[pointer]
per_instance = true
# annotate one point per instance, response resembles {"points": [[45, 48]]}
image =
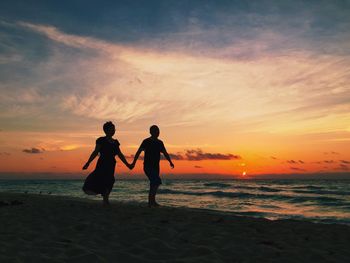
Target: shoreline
{"points": [[66, 229]]}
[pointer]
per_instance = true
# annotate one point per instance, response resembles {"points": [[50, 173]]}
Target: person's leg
{"points": [[106, 198], [152, 195], [155, 188], [153, 175], [150, 199]]}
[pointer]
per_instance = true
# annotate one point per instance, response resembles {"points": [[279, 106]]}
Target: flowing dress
{"points": [[101, 180]]}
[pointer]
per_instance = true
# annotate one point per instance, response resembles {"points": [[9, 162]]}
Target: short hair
{"points": [[107, 126], [153, 129]]}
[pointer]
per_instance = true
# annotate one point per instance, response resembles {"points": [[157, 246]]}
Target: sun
{"points": [[244, 173]]}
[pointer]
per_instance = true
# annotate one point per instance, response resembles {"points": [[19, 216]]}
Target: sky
{"points": [[239, 89]]}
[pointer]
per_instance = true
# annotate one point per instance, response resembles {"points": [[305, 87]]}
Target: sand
{"points": [[38, 228]]}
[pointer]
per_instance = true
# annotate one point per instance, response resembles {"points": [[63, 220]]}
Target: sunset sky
{"points": [[238, 88]]}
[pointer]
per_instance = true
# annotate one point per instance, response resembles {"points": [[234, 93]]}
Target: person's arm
{"points": [[122, 158], [166, 155], [137, 156], [92, 156]]}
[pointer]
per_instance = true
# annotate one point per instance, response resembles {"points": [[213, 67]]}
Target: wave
{"points": [[260, 188], [279, 197], [322, 192], [220, 185], [311, 187], [245, 187], [269, 189]]}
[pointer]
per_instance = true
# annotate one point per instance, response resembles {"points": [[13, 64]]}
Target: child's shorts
{"points": [[153, 176]]}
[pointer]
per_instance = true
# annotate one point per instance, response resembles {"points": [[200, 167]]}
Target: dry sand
{"points": [[61, 229]]}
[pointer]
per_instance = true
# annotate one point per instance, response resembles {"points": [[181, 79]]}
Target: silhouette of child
{"points": [[152, 147], [101, 180]]}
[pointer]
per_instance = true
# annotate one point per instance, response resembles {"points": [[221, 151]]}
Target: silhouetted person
{"points": [[152, 147], [101, 180]]}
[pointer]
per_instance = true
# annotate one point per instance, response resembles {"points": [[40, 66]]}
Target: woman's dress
{"points": [[101, 180]]}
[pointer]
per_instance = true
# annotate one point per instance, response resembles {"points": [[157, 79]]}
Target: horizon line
{"points": [[167, 176]]}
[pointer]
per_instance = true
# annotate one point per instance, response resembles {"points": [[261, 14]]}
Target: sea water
{"points": [[326, 201]]}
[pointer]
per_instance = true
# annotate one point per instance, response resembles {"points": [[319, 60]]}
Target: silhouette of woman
{"points": [[101, 180]]}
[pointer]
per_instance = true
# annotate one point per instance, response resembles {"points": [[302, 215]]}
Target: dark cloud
{"points": [[295, 161], [297, 169], [333, 153], [329, 161], [177, 156], [197, 166], [273, 157], [195, 23], [33, 150], [344, 161], [199, 155], [5, 153]]}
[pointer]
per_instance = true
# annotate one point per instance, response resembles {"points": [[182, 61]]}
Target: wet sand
{"points": [[45, 228]]}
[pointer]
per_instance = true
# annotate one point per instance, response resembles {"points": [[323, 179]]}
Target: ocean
{"points": [[326, 201]]}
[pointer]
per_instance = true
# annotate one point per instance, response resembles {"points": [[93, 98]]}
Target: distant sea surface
{"points": [[326, 201]]}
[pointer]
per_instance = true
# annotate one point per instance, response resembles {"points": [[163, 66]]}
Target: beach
{"points": [[47, 228]]}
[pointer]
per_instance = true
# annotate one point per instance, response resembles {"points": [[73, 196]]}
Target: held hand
{"points": [[172, 165], [86, 166], [132, 166]]}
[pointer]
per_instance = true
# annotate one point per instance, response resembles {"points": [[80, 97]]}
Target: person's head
{"points": [[154, 131], [109, 128]]}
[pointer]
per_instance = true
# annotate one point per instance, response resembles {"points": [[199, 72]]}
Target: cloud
{"points": [[175, 65], [123, 78], [331, 153], [97, 72], [295, 161], [344, 161], [199, 155], [235, 66], [197, 167], [273, 157], [329, 161], [33, 150], [177, 156], [5, 153], [71, 40], [196, 155]]}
